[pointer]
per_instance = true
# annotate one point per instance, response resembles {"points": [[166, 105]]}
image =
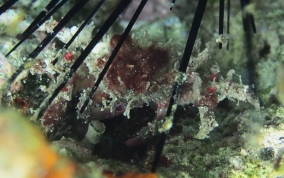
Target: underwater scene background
{"points": [[65, 114]]}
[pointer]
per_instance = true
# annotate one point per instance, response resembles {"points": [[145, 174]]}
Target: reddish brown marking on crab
{"points": [[214, 77], [99, 96], [65, 89], [100, 63], [21, 104], [175, 142], [165, 162], [211, 89], [54, 113], [277, 162], [135, 67], [187, 138], [209, 99], [69, 56]]}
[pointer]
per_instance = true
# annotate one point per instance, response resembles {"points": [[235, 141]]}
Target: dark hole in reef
{"points": [[225, 129], [69, 126], [31, 93], [58, 44], [266, 153], [273, 99], [185, 116], [118, 130], [265, 50], [19, 103], [225, 103], [78, 126]]}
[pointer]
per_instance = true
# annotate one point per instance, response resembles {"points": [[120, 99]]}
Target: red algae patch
{"points": [[136, 68]]}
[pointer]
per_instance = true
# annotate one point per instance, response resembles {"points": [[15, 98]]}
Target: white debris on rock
{"points": [[207, 122], [6, 70], [235, 91]]}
